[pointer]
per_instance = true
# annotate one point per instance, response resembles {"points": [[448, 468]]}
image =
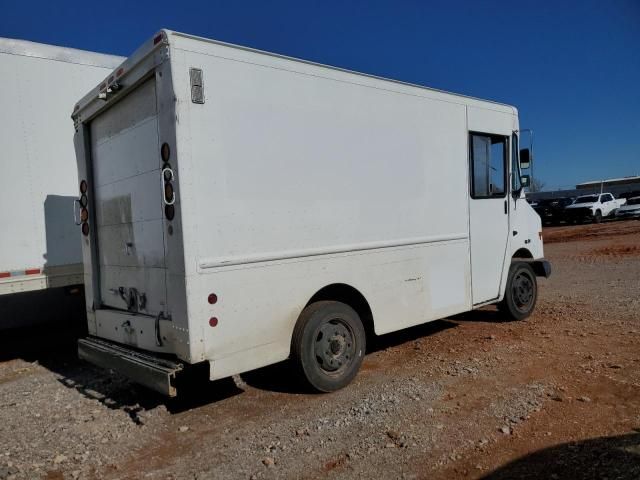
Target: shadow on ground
{"points": [[282, 378], [55, 348], [605, 457], [484, 315]]}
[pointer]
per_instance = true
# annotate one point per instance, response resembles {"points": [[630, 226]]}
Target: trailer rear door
{"points": [[128, 204]]}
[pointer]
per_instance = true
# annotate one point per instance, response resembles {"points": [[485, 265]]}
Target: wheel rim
{"points": [[523, 291], [334, 346]]}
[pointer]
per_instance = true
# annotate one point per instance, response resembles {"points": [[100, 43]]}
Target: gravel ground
{"points": [[473, 396]]}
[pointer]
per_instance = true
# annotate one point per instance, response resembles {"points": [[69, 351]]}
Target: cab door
{"points": [[489, 212]]}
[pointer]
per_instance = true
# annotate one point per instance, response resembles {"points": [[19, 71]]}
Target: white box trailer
{"points": [[244, 208], [39, 244]]}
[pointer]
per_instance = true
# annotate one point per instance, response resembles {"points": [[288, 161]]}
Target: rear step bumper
{"points": [[151, 371]]}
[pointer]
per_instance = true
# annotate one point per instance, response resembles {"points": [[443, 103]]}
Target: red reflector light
{"points": [[85, 229], [119, 72], [212, 298], [157, 39], [213, 321]]}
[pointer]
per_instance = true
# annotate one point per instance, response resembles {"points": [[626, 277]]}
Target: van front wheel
{"points": [[328, 345], [521, 293]]}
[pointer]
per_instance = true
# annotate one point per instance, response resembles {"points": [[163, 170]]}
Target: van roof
{"points": [[511, 108]]}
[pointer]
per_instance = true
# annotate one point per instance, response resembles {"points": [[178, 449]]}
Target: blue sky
{"points": [[571, 67]]}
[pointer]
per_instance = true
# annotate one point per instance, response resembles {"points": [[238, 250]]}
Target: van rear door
{"points": [[130, 242]]}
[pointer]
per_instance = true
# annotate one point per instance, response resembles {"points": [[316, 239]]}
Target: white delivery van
{"points": [[242, 208], [39, 244]]}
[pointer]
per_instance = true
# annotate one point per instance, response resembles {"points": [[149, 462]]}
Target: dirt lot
{"points": [[556, 396]]}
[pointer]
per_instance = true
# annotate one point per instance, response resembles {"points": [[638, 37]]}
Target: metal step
{"points": [[152, 371]]}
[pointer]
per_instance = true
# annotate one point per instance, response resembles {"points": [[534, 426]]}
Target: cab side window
{"points": [[488, 160]]}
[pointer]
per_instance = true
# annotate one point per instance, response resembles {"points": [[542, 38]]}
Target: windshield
{"points": [[587, 199]]}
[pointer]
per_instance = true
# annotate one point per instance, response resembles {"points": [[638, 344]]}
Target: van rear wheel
{"points": [[521, 293], [328, 345]]}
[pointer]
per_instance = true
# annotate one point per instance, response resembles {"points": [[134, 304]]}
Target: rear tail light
{"points": [[84, 212], [169, 212], [165, 152], [168, 192]]}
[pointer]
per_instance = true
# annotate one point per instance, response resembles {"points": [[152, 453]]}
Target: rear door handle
{"points": [[505, 207]]}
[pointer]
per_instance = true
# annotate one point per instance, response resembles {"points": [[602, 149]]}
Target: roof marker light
{"points": [[119, 72], [157, 39]]}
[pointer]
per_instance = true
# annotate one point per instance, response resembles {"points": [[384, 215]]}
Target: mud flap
{"points": [[542, 268]]}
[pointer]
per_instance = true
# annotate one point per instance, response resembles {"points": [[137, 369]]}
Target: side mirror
{"points": [[525, 158], [525, 180]]}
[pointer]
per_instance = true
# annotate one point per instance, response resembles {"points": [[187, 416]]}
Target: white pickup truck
{"points": [[593, 208]]}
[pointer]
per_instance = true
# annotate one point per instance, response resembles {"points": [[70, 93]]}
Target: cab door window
{"points": [[488, 159]]}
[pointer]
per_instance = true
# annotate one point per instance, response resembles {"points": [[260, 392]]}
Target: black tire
{"points": [[328, 345], [521, 293], [597, 218]]}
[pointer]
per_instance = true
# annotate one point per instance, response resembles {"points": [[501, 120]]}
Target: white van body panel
{"points": [[40, 245], [292, 177]]}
